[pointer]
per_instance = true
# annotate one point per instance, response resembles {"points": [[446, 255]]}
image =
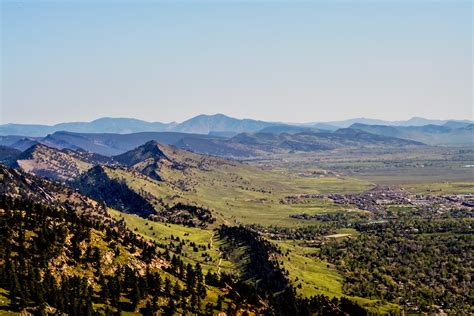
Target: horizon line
{"points": [[239, 118]]}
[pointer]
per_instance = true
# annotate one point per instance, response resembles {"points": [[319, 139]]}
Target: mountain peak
{"points": [[150, 150], [204, 124], [35, 148], [216, 115], [153, 146]]}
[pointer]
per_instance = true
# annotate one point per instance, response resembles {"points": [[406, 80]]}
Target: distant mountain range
{"points": [[217, 124], [414, 121], [450, 133], [102, 125], [225, 136], [201, 124], [240, 146]]}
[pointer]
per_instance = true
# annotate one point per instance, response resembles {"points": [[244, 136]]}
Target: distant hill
{"points": [[311, 141], [8, 154], [106, 143], [26, 129], [102, 125], [290, 129], [222, 134], [254, 144], [280, 139], [24, 143], [204, 124], [448, 134], [324, 126], [216, 147], [414, 121], [201, 124], [18, 142], [216, 125], [113, 125], [115, 144], [458, 124]]}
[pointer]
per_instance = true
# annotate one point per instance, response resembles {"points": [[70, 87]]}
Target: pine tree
{"points": [[177, 290], [170, 309], [167, 289], [135, 295], [219, 303]]}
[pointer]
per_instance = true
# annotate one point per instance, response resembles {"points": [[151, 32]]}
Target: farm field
{"points": [[421, 166]]}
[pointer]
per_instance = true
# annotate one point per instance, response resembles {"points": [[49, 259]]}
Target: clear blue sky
{"points": [[282, 61]]}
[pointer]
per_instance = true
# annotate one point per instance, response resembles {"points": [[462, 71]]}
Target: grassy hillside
{"points": [[200, 245], [73, 257], [310, 276], [232, 191]]}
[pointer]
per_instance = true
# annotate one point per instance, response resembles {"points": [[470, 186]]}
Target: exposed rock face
{"points": [[51, 163]]}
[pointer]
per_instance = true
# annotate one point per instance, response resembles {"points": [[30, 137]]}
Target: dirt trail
{"points": [[220, 255], [210, 239], [219, 264]]}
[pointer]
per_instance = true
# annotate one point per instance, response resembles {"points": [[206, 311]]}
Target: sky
{"points": [[288, 61]]}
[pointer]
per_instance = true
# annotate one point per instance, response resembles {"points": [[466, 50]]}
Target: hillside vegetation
{"points": [[162, 229], [80, 261]]}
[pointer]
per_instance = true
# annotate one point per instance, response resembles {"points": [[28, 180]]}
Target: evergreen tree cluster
{"points": [[34, 236], [423, 265]]}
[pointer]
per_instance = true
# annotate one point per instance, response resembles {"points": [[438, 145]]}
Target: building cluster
{"points": [[299, 198], [380, 197]]}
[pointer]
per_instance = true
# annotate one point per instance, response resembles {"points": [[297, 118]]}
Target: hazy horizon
{"points": [[251, 118], [283, 62]]}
